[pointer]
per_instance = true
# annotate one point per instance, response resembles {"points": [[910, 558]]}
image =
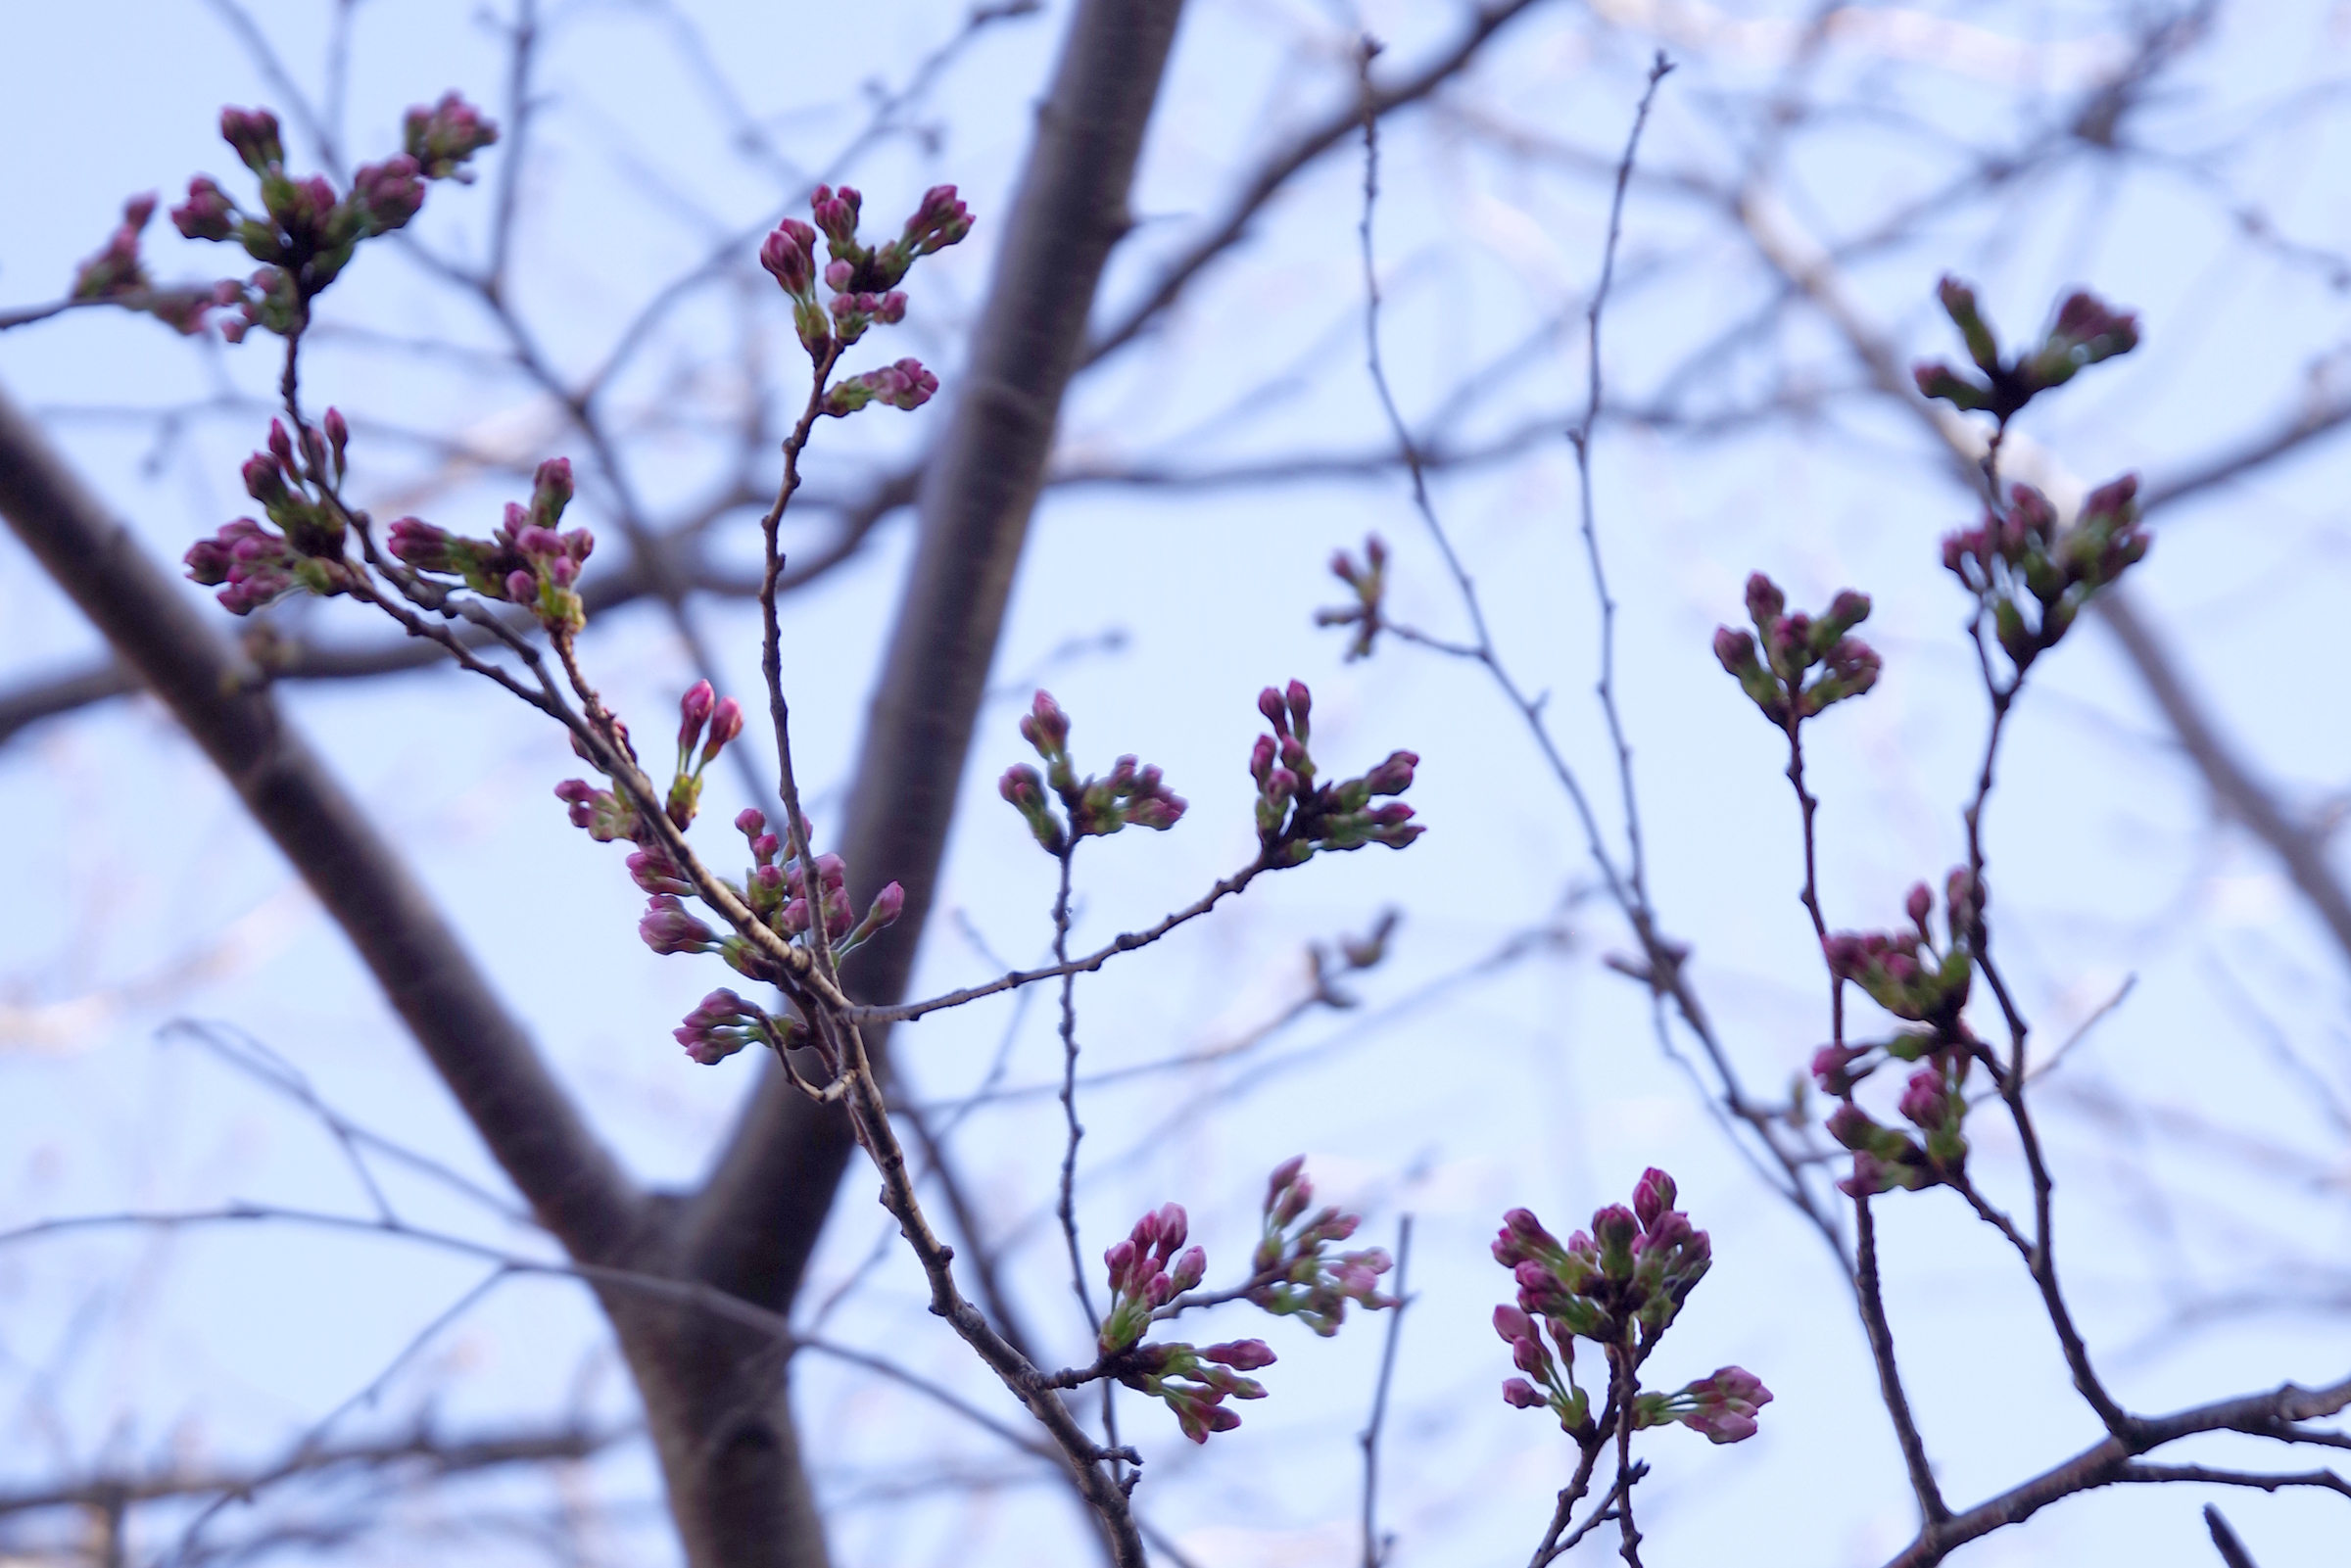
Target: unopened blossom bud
{"points": [[1046, 726], [253, 134], [1276, 711], [726, 723], [1513, 1324], [836, 214], [1919, 905], [939, 222], [1724, 1406], [839, 275], [1518, 1392], [653, 872], [1764, 602], [1936, 380], [1653, 1197], [694, 712], [1394, 776], [443, 138], [790, 253], [1119, 1258], [888, 905], [1926, 1101], [666, 928], [208, 213], [1242, 1356], [388, 194], [521, 587]]}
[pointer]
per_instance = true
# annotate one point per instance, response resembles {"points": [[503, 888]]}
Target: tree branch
{"points": [[480, 1051]]}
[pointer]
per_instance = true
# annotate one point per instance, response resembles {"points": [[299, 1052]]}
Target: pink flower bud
{"points": [[1521, 1394], [1277, 714], [1653, 1196], [726, 723], [1919, 905], [1513, 1324], [521, 587], [790, 253], [888, 905], [1300, 703], [694, 712], [1242, 1356], [1191, 1269], [253, 132]]}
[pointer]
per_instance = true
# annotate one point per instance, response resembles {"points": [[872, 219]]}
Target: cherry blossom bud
{"points": [[1926, 1101], [1653, 1196], [1394, 776], [694, 712], [386, 194], [521, 587], [443, 138], [1517, 1392], [253, 134], [790, 253], [1513, 1324], [1276, 711], [726, 723], [939, 222], [836, 214], [1242, 1356], [208, 213], [666, 928]]}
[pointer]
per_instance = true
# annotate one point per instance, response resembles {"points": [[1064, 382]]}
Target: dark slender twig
{"points": [[2223, 1540], [1930, 1506], [1377, 1547]]}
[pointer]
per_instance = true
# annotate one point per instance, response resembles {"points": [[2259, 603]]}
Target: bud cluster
{"points": [[1902, 972], [698, 708], [780, 894], [1774, 674], [1722, 1406], [723, 1024], [1295, 817], [1196, 1380], [306, 232], [527, 561], [1148, 1269], [1295, 1272], [2086, 330], [1147, 1272], [863, 282], [2035, 576], [117, 275], [1093, 807], [1369, 581], [258, 564], [1619, 1285]]}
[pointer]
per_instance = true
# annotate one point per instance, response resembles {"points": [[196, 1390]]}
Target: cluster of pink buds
{"points": [[1722, 1406], [443, 138], [1148, 1269], [1369, 581], [1093, 807], [780, 896], [2086, 330], [905, 385], [699, 708], [1295, 1273], [2035, 576], [1775, 676], [863, 282], [1620, 1285], [1295, 817], [527, 561], [723, 1024], [257, 564], [1902, 972], [306, 231], [117, 275], [779, 892], [1194, 1382]]}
